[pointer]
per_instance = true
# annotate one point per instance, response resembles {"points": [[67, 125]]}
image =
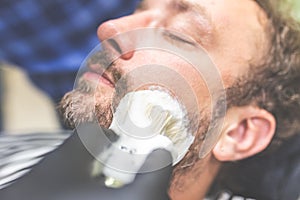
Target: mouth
{"points": [[98, 78]]}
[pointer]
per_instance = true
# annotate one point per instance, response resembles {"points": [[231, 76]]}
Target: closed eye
{"points": [[178, 38]]}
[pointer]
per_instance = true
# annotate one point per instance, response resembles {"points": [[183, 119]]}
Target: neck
{"points": [[195, 183]]}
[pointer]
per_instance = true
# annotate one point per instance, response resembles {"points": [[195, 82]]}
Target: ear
{"points": [[247, 131]]}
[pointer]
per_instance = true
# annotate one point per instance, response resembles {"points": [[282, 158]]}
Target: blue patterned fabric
{"points": [[50, 38]]}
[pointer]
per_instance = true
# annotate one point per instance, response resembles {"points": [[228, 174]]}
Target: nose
{"points": [[111, 28]]}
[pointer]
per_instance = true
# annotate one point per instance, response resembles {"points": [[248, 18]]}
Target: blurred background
{"points": [[294, 6], [42, 44]]}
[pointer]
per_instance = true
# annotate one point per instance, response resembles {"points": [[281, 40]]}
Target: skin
{"points": [[233, 34]]}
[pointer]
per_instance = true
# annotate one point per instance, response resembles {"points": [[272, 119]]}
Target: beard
{"points": [[90, 102], [87, 103], [192, 165]]}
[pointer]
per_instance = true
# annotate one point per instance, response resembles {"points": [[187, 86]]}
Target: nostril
{"points": [[128, 55], [120, 49]]}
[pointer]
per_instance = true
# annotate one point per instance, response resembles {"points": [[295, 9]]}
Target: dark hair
{"points": [[274, 85]]}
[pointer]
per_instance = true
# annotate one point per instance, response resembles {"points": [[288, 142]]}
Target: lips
{"points": [[108, 78], [99, 78]]}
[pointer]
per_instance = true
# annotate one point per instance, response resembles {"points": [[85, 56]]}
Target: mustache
{"points": [[101, 58], [104, 62]]}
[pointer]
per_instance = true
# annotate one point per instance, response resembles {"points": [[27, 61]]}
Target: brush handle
{"points": [[124, 158]]}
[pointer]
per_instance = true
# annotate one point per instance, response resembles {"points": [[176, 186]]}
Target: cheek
{"points": [[195, 82], [229, 67], [181, 78]]}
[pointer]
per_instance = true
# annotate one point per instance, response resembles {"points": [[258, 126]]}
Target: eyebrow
{"points": [[200, 12], [182, 6], [185, 5], [179, 5]]}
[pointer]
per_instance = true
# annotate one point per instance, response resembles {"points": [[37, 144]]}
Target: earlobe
{"points": [[248, 130]]}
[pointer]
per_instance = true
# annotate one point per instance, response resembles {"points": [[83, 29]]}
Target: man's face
{"points": [[231, 31]]}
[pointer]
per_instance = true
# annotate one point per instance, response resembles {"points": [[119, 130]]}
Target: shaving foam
{"points": [[145, 120]]}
